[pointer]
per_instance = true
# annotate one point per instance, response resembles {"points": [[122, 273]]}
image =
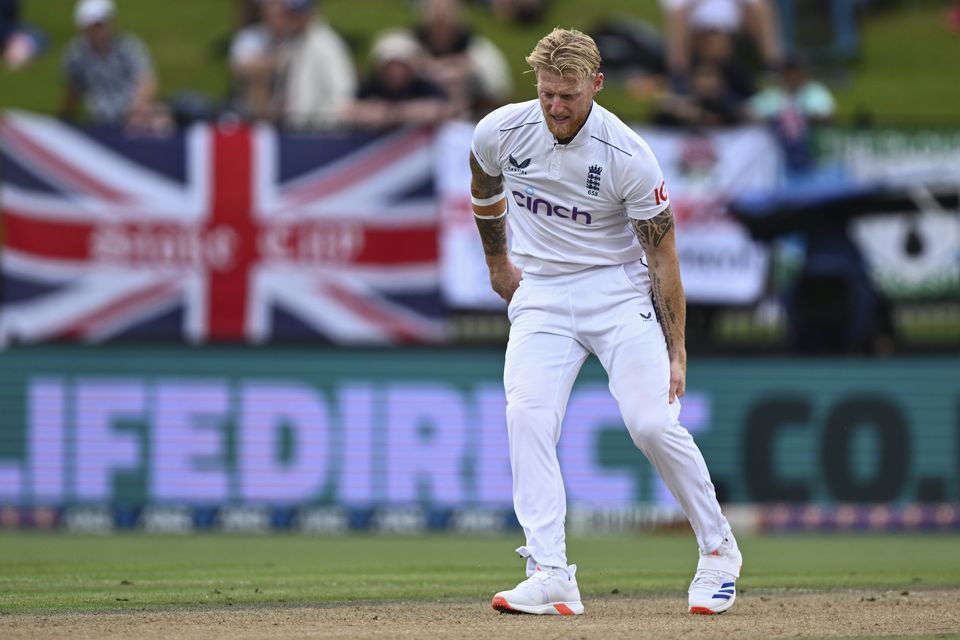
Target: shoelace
{"points": [[709, 578]]}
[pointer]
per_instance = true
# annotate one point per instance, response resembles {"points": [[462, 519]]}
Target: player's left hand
{"points": [[678, 377]]}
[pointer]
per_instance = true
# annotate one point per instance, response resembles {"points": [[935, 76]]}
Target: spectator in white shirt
{"points": [[320, 79]]}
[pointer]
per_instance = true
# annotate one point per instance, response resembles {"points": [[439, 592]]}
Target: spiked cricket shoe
{"points": [[714, 587], [549, 591]]}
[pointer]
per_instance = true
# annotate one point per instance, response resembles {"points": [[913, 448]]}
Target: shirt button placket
{"points": [[555, 159]]}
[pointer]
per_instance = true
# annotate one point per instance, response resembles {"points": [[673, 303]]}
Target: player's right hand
{"points": [[504, 277]]}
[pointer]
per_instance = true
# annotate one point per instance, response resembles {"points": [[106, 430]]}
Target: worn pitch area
{"points": [[757, 614]]}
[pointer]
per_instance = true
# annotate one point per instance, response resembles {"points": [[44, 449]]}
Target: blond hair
{"points": [[566, 51]]}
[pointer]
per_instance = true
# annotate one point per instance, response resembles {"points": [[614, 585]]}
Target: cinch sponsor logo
{"points": [[539, 205]]}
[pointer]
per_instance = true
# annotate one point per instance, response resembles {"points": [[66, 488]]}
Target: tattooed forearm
{"points": [[654, 230], [493, 234], [671, 313], [657, 238], [482, 185]]}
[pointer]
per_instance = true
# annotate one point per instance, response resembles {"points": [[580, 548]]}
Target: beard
{"points": [[566, 130]]}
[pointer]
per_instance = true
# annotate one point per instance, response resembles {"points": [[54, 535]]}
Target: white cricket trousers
{"points": [[556, 322]]}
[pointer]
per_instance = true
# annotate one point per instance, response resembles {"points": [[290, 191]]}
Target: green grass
{"points": [[904, 75], [50, 573]]}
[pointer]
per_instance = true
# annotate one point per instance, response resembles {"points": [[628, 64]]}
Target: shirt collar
{"points": [[586, 131]]}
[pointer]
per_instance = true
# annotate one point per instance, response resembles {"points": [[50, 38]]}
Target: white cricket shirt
{"points": [[569, 204]]}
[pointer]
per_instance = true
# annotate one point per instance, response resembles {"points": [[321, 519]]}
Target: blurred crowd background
{"points": [[808, 71], [677, 62]]}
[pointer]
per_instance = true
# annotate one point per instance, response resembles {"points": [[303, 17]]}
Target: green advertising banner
{"points": [[425, 427]]}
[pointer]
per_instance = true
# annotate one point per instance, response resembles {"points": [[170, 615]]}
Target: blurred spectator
{"points": [[471, 69], [320, 79], [685, 19], [518, 11], [256, 59], [629, 46], [709, 103], [793, 107], [18, 43], [396, 93], [714, 46], [111, 72], [833, 307]]}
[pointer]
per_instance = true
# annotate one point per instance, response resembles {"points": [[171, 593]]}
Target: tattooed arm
{"points": [[492, 224], [657, 238]]}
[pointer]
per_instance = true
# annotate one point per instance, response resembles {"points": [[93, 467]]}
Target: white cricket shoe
{"points": [[550, 590], [714, 587]]}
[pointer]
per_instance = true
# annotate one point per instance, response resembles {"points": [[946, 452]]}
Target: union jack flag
{"points": [[218, 233]]}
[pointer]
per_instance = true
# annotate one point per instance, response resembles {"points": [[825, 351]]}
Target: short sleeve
{"points": [[72, 68], [486, 145], [645, 191], [817, 101], [766, 104]]}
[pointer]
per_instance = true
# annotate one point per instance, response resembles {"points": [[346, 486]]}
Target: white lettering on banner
{"points": [[165, 245], [189, 441], [385, 443], [245, 519], [45, 407], [88, 520], [721, 252], [477, 520], [312, 244], [425, 443], [407, 521], [323, 520], [102, 450], [167, 520], [266, 409], [356, 469]]}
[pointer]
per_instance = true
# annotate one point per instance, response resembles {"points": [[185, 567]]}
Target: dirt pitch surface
{"points": [[757, 614]]}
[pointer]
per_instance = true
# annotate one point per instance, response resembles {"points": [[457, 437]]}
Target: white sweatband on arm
{"points": [[486, 202], [477, 215]]}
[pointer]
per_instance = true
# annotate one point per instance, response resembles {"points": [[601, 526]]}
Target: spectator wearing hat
{"points": [[396, 93], [320, 77], [111, 72]]}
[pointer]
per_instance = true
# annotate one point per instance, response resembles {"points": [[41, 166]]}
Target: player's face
{"points": [[566, 101]]}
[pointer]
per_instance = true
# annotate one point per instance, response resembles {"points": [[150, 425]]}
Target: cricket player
{"points": [[592, 269]]}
